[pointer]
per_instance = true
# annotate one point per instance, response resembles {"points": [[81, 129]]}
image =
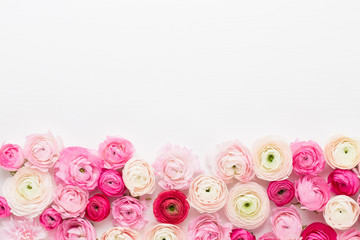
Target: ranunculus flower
{"points": [[79, 166], [28, 229], [139, 177], [286, 223], [117, 233], [273, 159], [341, 212], [4, 208], [308, 158], [11, 157], [75, 228], [98, 208], [312, 192], [171, 207], [42, 150], [165, 232], [50, 219], [344, 182], [342, 152], [241, 234], [268, 236], [318, 231], [111, 183], [232, 160], [248, 205], [208, 226], [281, 192], [207, 194], [28, 192], [70, 201], [116, 152], [129, 212], [352, 234], [176, 167]]}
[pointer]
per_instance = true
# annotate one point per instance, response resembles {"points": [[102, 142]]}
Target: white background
{"points": [[193, 72]]}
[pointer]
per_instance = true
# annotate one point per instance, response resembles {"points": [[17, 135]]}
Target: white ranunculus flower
{"points": [[165, 232], [342, 152], [248, 205], [28, 192], [272, 159], [207, 194], [118, 233], [139, 177], [341, 212]]}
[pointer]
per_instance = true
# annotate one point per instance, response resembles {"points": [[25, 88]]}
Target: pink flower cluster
{"points": [[60, 193]]}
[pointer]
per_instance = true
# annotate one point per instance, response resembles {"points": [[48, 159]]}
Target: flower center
{"points": [[270, 158], [281, 191], [207, 190], [82, 170], [172, 208]]}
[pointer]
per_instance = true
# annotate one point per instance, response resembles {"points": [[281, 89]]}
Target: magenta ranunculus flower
{"points": [[281, 192], [344, 182], [209, 226], [4, 208], [286, 223], [79, 166], [269, 236], [171, 207], [76, 228], [116, 152], [318, 231], [22, 229], [129, 212], [50, 219], [70, 201], [111, 183], [11, 157], [241, 234], [308, 158], [98, 208], [312, 192], [352, 234]]}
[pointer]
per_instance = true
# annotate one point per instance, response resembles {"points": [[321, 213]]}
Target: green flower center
{"points": [[270, 158]]}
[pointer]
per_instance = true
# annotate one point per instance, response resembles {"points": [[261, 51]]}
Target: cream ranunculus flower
{"points": [[28, 192], [118, 233], [248, 205], [207, 194], [342, 152], [272, 159], [139, 177], [165, 232], [341, 212]]}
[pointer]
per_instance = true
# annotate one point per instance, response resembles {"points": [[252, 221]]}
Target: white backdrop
{"points": [[195, 73]]}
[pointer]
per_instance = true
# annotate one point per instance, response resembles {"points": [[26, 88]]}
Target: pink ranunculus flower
{"points": [[117, 233], [281, 192], [79, 166], [241, 234], [312, 192], [75, 229], [11, 157], [286, 223], [50, 219], [70, 201], [342, 152], [98, 208], [344, 182], [308, 158], [42, 150], [232, 160], [164, 231], [111, 183], [20, 229], [4, 208], [209, 226], [207, 193], [129, 212], [269, 236], [352, 234], [116, 151], [176, 167]]}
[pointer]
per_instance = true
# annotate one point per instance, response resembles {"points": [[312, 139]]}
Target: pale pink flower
{"points": [[117, 233], [268, 236], [29, 229], [286, 223], [209, 226], [164, 231], [352, 234], [75, 229], [176, 167], [11, 157], [343, 152]]}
